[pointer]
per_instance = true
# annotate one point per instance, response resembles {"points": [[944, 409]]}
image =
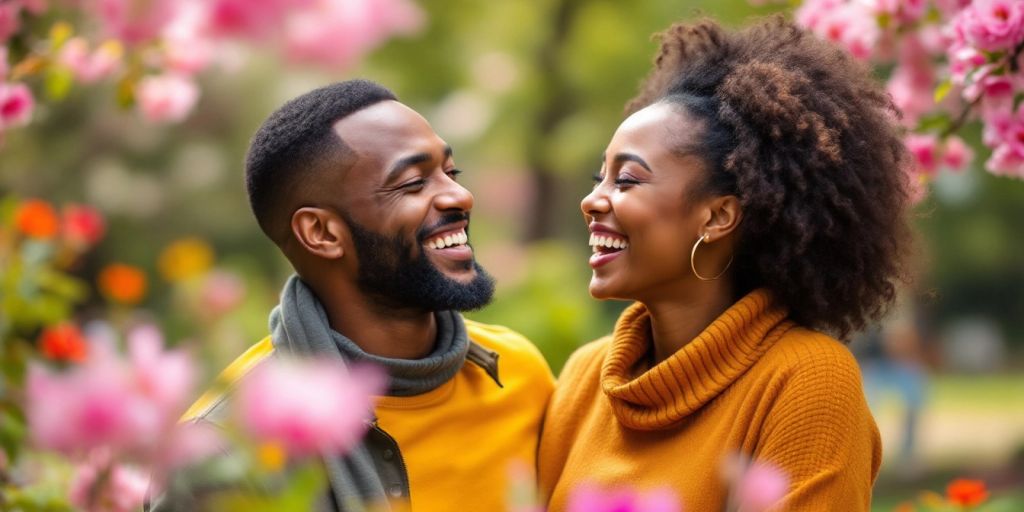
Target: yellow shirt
{"points": [[460, 440], [753, 383]]}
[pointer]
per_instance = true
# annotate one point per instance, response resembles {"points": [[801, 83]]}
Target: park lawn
{"points": [[972, 425]]}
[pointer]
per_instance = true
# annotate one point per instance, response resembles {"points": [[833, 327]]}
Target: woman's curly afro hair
{"points": [[807, 140]]}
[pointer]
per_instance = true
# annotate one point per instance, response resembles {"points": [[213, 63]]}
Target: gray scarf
{"points": [[299, 325]]}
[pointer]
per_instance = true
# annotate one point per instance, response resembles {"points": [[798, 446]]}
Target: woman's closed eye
{"points": [[624, 180]]}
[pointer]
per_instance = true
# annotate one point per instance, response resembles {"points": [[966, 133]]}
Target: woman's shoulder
{"points": [[586, 358], [812, 357], [800, 346]]}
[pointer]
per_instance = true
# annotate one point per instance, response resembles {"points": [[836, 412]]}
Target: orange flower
{"points": [[63, 342], [122, 283], [966, 492], [37, 219]]}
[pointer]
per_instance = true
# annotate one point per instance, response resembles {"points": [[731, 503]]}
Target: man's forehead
{"points": [[383, 128]]}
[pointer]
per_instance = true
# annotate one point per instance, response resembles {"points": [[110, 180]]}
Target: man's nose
{"points": [[454, 197]]}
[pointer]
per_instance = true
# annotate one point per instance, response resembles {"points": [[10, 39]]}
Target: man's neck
{"points": [[381, 331]]}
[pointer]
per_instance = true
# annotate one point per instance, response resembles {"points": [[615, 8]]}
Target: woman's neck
{"points": [[677, 318]]}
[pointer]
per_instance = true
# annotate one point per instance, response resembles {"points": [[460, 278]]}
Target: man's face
{"points": [[408, 217]]}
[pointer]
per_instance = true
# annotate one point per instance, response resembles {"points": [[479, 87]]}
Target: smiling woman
{"points": [[753, 205]]}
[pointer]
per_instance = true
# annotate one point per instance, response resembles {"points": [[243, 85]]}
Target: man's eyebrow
{"points": [[411, 160]]}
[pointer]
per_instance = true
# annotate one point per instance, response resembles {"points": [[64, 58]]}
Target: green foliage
{"points": [[551, 305]]}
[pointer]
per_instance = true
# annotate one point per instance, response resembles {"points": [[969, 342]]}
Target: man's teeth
{"points": [[607, 241], [450, 240]]}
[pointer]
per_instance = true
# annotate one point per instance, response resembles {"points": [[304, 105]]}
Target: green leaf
{"points": [[942, 90], [304, 487], [58, 83], [61, 284], [12, 433]]}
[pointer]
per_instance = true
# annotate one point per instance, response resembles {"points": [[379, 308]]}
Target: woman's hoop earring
{"points": [[693, 267]]}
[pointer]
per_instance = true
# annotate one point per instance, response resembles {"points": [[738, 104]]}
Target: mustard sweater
{"points": [[460, 441], [753, 383]]}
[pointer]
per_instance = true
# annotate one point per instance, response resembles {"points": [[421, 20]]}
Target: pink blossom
{"points": [[222, 292], [163, 378], [336, 32], [122, 490], [900, 11], [9, 20], [949, 8], [993, 25], [851, 26], [1006, 162], [934, 39], [187, 47], [247, 18], [16, 104], [924, 149], [275, 404], [589, 498], [956, 154], [133, 21], [91, 406], [760, 487], [811, 12], [36, 7], [91, 67], [188, 443], [82, 226], [1007, 140], [997, 124], [912, 81], [963, 61], [106, 403], [166, 98]]}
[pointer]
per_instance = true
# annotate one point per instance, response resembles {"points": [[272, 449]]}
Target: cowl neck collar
{"points": [[697, 373]]}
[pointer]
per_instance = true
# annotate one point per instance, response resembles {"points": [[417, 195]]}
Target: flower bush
{"points": [[151, 51], [89, 418], [952, 62]]}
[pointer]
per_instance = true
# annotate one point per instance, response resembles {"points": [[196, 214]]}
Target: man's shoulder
{"points": [[512, 346], [228, 378]]}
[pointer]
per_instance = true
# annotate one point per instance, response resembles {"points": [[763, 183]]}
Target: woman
{"points": [[753, 205]]}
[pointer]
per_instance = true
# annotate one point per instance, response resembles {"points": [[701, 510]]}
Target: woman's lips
{"points": [[599, 259]]}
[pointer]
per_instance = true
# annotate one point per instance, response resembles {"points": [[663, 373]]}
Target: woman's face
{"points": [[644, 213]]}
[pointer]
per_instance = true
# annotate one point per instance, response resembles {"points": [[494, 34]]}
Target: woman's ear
{"points": [[319, 231], [724, 216]]}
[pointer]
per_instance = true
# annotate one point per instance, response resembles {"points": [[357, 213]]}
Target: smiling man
{"points": [[362, 198]]}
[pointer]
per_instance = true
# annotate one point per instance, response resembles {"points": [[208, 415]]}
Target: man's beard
{"points": [[390, 273]]}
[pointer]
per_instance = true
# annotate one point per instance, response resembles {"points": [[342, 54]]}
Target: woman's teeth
{"points": [[449, 240], [607, 242]]}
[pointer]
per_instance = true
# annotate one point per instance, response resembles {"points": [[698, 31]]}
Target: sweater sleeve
{"points": [[821, 433]]}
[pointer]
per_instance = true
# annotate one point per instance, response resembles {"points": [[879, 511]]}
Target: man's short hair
{"points": [[298, 140]]}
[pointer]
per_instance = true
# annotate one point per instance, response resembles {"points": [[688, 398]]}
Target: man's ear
{"points": [[320, 232], [723, 217]]}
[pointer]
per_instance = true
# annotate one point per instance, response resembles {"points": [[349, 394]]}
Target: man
{"points": [[361, 196]]}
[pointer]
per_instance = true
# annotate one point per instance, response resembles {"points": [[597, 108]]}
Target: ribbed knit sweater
{"points": [[753, 383]]}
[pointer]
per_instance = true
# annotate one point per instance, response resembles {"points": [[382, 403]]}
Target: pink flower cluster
{"points": [[117, 418], [275, 405], [331, 33], [177, 39], [987, 62], [961, 55], [128, 407], [16, 101], [590, 498]]}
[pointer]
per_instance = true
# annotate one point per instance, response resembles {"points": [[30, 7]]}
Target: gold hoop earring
{"points": [[693, 267]]}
